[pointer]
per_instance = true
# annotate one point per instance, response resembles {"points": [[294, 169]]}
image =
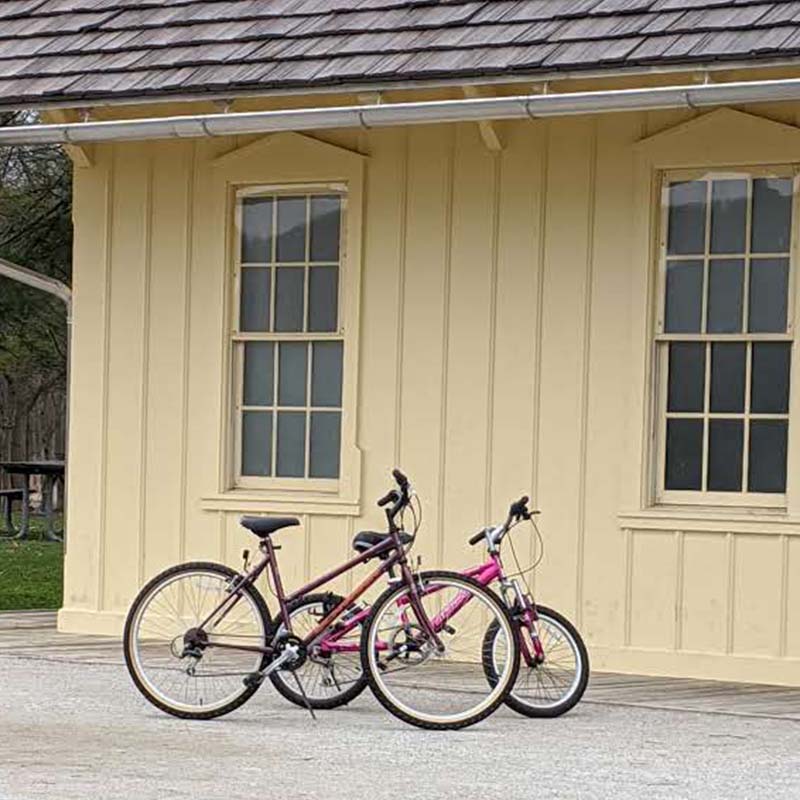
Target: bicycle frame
{"points": [[486, 573], [393, 555]]}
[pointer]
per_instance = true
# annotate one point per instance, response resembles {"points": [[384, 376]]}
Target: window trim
{"points": [[662, 497]]}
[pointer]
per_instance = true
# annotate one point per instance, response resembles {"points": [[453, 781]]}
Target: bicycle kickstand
{"points": [[305, 696]]}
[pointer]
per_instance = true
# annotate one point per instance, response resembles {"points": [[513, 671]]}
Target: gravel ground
{"points": [[82, 731]]}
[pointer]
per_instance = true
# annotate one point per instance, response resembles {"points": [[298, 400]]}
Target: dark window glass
{"points": [[257, 230], [291, 229], [325, 227], [684, 297], [770, 377], [725, 439], [769, 288], [687, 218], [291, 444], [772, 215], [256, 442], [728, 216], [326, 379], [258, 373], [687, 370], [254, 299], [767, 464], [323, 298], [727, 376], [725, 290], [292, 357], [289, 290], [325, 441], [684, 454]]}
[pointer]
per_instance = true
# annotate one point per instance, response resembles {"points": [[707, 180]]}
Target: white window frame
{"points": [[703, 497], [238, 338]]}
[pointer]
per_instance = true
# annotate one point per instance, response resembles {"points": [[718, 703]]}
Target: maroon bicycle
{"points": [[199, 639]]}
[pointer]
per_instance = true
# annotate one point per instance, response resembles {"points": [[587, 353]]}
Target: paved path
{"points": [[73, 728]]}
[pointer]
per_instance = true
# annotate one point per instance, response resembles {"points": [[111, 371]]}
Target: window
{"points": [[724, 337], [289, 344]]}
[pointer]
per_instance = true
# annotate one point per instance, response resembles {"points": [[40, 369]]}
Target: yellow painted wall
{"points": [[503, 349]]}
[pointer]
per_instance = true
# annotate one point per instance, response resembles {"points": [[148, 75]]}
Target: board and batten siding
{"points": [[502, 342]]}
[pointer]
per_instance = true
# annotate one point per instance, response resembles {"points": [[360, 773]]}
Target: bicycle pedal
{"points": [[253, 680]]}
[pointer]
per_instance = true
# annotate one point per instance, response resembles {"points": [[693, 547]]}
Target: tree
{"points": [[35, 232]]}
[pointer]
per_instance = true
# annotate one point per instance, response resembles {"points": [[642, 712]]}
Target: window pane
{"points": [[769, 280], [727, 376], [687, 218], [728, 216], [772, 215], [323, 298], [687, 371], [292, 373], [326, 380], [725, 437], [291, 229], [291, 444], [684, 454], [258, 373], [254, 300], [325, 444], [725, 289], [767, 465], [770, 380], [256, 442], [289, 298], [325, 227], [257, 230], [684, 296]]}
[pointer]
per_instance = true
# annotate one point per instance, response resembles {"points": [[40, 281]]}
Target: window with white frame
{"points": [[724, 337], [288, 341]]}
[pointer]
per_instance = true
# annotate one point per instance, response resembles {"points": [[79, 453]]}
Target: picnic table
{"points": [[52, 472]]}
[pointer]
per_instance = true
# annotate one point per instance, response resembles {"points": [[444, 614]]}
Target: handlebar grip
{"points": [[389, 497], [402, 480], [477, 537], [520, 508]]}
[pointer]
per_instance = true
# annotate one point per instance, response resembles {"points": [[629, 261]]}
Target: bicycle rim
{"points": [[432, 689], [213, 679]]}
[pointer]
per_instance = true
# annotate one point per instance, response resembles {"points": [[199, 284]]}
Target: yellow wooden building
{"points": [[574, 279]]}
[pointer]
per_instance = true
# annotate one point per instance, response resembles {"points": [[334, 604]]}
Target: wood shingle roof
{"points": [[76, 50]]}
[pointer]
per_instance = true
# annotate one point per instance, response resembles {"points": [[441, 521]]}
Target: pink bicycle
{"points": [[554, 668]]}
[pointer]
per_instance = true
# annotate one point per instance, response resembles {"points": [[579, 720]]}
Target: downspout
{"points": [[56, 288], [416, 113]]}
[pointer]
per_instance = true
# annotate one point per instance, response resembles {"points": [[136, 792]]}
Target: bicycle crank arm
{"points": [[257, 678]]}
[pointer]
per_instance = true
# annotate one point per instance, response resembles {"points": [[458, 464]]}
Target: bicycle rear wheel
{"points": [[203, 676], [431, 689]]}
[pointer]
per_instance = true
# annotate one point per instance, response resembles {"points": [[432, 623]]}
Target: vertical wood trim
{"points": [[585, 377], [730, 589], [306, 520], [103, 500], [539, 262], [185, 372], [145, 377], [492, 349], [222, 522], [680, 537], [401, 296], [628, 534], [446, 293], [784, 612]]}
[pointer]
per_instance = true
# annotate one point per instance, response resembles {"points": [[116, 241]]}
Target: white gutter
{"points": [[416, 113], [38, 281]]}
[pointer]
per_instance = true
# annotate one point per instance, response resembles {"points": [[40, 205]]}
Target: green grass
{"points": [[31, 573]]}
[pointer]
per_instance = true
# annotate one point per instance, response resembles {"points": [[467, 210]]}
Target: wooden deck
{"points": [[33, 635]]}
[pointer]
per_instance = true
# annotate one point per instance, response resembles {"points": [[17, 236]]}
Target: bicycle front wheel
{"points": [[183, 657], [419, 683]]}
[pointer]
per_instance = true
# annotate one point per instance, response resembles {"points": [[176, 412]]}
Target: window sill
{"points": [[269, 502], [712, 520]]}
